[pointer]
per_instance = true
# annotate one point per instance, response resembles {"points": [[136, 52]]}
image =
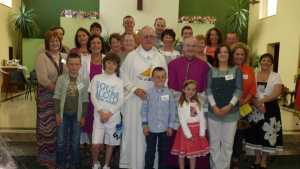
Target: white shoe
{"points": [[96, 166], [105, 167]]}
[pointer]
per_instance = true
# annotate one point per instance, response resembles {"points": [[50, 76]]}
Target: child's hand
{"points": [[103, 116], [82, 121], [191, 139], [58, 120], [109, 115], [169, 132], [146, 131]]}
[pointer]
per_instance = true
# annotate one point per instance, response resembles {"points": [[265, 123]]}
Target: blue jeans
{"points": [[163, 143], [68, 121]]}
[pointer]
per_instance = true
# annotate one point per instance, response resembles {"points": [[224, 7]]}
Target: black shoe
{"points": [[254, 166]]}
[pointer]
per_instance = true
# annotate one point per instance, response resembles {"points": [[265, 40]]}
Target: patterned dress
{"points": [[46, 125], [266, 129]]}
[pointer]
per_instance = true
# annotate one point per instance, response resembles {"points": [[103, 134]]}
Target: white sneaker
{"points": [[96, 166], [105, 167]]}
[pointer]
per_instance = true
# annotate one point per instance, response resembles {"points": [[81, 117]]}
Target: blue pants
{"points": [[163, 143], [68, 121]]}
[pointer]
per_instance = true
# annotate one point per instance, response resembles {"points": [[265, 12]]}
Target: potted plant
{"points": [[237, 17], [24, 22]]}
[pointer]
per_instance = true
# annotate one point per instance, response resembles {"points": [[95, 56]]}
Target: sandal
{"points": [[235, 164], [254, 166], [101, 153], [51, 166]]}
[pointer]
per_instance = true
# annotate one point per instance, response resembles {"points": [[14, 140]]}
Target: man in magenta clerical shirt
{"points": [[187, 67]]}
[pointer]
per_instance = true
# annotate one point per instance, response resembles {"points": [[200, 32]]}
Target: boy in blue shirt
{"points": [[158, 113], [70, 107]]}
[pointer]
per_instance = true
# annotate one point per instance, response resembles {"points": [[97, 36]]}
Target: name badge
{"points": [[245, 76], [80, 86], [63, 61], [165, 97], [228, 77]]}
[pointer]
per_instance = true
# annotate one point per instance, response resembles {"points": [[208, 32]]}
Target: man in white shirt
{"points": [[160, 26]]}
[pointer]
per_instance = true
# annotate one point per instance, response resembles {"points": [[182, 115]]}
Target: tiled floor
{"points": [[18, 118]]}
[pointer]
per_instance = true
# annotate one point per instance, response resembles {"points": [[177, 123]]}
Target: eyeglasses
{"points": [[191, 46], [54, 41], [148, 37], [160, 77], [187, 33]]}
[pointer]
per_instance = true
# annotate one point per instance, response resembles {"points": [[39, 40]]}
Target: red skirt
{"points": [[187, 148]]}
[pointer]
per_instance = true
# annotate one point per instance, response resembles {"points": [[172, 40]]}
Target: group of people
{"points": [[141, 92]]}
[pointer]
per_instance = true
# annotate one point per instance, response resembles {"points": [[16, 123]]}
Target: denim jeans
{"points": [[68, 121], [163, 143]]}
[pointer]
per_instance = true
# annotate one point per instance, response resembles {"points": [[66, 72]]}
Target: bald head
{"points": [[190, 47]]}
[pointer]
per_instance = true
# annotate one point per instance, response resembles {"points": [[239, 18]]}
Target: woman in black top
{"points": [[200, 50]]}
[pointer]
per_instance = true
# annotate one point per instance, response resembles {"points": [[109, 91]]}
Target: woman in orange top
{"points": [[240, 56]]}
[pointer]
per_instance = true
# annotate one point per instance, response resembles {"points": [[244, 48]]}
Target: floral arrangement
{"points": [[79, 14], [177, 42], [106, 37], [198, 19]]}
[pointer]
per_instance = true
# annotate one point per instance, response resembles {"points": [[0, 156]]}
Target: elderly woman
{"points": [[61, 32], [265, 134], [81, 39], [129, 42], [91, 66], [168, 38], [201, 44], [240, 58], [115, 43], [224, 89], [214, 37], [49, 65]]}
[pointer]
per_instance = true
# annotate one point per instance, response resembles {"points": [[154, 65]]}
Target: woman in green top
{"points": [[224, 89]]}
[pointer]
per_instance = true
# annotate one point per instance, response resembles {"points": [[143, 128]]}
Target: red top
{"points": [[210, 52]]}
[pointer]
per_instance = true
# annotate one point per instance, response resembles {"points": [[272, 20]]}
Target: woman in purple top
{"points": [[91, 66]]}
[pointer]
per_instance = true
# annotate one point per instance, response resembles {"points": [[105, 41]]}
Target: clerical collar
{"points": [[189, 60], [147, 54]]}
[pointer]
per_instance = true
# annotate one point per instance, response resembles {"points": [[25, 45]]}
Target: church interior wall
{"points": [[113, 12], [283, 28], [7, 35]]}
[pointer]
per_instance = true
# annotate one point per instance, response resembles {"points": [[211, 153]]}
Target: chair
{"points": [[16, 78], [33, 83]]}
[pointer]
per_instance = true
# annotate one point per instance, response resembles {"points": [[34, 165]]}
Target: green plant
{"points": [[25, 23], [237, 17]]}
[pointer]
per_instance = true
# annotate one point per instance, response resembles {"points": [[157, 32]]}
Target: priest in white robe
{"points": [[136, 73]]}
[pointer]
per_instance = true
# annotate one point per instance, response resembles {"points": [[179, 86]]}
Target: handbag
{"points": [[243, 124]]}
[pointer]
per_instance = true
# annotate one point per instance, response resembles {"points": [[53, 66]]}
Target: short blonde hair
{"points": [[201, 37], [242, 46]]}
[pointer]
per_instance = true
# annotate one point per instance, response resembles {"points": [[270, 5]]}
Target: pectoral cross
{"points": [[139, 5]]}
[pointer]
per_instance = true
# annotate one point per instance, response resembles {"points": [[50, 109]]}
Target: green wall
{"points": [[48, 11], [30, 47], [216, 8]]}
